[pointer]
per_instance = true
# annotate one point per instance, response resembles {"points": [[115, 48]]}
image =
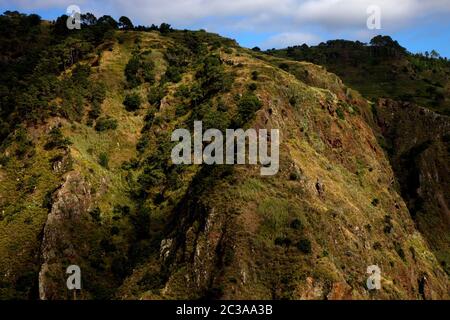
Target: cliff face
{"points": [[140, 227], [311, 231], [417, 141], [59, 246]]}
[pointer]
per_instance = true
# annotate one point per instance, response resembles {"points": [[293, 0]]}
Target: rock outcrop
{"points": [[417, 141], [71, 203]]}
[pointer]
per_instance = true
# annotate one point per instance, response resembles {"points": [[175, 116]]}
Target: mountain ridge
{"points": [[95, 187]]}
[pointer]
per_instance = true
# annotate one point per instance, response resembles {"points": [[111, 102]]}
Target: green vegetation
{"points": [[56, 140], [381, 69], [138, 70], [304, 245], [155, 95], [105, 123], [340, 113], [86, 148], [103, 160], [125, 23], [248, 105], [132, 102], [33, 55]]}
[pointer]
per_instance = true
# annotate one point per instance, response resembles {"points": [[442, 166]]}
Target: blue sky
{"points": [[418, 25]]}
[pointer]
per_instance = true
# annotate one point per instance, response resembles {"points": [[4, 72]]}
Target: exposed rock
{"points": [[310, 290], [166, 245], [71, 202], [340, 291], [320, 187]]}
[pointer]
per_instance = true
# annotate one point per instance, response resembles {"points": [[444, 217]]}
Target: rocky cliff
{"points": [[417, 141], [141, 227]]}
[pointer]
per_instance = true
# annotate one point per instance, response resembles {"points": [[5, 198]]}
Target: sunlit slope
{"points": [[112, 202]]}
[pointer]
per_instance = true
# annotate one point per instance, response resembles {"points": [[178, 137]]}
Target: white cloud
{"points": [[338, 13], [284, 17], [40, 4]]}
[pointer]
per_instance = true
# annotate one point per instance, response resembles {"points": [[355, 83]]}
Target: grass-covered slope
{"points": [[99, 190], [382, 69]]}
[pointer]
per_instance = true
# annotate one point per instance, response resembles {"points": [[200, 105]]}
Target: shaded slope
{"points": [[418, 145]]}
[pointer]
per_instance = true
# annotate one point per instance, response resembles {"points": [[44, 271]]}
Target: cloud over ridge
{"points": [[284, 19]]}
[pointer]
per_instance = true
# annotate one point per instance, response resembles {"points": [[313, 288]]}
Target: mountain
{"points": [[382, 69], [410, 94], [86, 176]]}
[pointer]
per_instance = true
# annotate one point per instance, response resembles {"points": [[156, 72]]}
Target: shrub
{"points": [[94, 113], [252, 86], [165, 28], [294, 176], [293, 101], [304, 245], [401, 253], [95, 214], [147, 72], [97, 93], [155, 95], [4, 160], [133, 164], [151, 177], [148, 119], [103, 160], [121, 211], [388, 224], [138, 71], [24, 144], [211, 118], [284, 66], [106, 123], [56, 140], [181, 110], [248, 105], [115, 230], [173, 74], [296, 224], [375, 202], [283, 242], [183, 92], [142, 143], [31, 184], [212, 77], [340, 113], [131, 70], [132, 102], [255, 75]]}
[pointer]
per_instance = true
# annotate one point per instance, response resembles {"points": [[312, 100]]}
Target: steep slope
{"points": [[235, 234], [139, 226], [414, 137], [417, 141]]}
